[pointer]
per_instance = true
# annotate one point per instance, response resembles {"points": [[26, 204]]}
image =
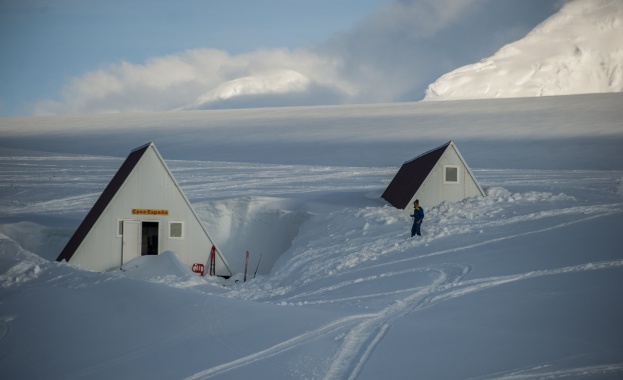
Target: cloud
{"points": [[171, 82], [390, 56], [395, 50]]}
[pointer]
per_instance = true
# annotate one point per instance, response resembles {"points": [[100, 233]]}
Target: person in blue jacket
{"points": [[418, 216]]}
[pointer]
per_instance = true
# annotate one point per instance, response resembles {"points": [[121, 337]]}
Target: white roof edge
{"points": [[469, 171], [192, 209]]}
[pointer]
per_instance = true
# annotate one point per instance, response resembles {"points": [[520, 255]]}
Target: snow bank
{"points": [[264, 226], [46, 241], [164, 269], [17, 265]]}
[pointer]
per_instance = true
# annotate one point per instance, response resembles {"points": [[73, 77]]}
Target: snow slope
{"points": [[229, 94], [525, 283], [576, 51], [573, 132]]}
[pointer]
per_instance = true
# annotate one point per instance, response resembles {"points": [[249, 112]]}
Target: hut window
{"points": [[451, 174], [176, 230]]}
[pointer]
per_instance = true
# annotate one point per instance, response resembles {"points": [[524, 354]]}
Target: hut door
{"points": [[149, 241], [131, 240]]}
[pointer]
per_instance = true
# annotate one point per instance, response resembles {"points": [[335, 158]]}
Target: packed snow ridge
{"points": [[578, 50], [274, 82]]}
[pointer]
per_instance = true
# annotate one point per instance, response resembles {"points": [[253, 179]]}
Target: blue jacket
{"points": [[418, 214]]}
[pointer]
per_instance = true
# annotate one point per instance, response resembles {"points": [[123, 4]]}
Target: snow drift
{"points": [[262, 225]]}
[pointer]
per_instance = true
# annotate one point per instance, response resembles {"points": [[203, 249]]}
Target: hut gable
{"points": [[438, 175], [142, 211]]}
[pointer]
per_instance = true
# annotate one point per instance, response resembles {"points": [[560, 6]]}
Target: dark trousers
{"points": [[415, 230]]}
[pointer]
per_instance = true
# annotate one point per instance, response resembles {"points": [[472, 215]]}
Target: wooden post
{"points": [[213, 261], [246, 265]]}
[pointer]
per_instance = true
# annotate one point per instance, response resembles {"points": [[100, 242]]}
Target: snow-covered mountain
{"points": [[577, 50], [230, 93]]}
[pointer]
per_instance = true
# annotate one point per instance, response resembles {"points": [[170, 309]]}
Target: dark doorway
{"points": [[149, 239]]}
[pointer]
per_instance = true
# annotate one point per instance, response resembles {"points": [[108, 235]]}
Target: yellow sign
{"points": [[149, 211]]}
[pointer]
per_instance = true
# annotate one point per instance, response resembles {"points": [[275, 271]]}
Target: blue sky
{"points": [[61, 56]]}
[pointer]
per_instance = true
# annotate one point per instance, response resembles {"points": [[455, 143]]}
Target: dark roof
{"points": [[411, 176], [103, 201]]}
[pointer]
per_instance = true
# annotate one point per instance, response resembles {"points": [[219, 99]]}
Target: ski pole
{"points": [[246, 264], [258, 265]]}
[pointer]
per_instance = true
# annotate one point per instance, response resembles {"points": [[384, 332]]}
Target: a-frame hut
{"points": [[438, 175], [142, 211]]}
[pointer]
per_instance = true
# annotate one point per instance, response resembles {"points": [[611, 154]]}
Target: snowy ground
{"points": [[525, 283]]}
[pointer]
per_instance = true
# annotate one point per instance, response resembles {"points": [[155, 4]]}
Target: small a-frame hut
{"points": [[438, 175], [142, 211]]}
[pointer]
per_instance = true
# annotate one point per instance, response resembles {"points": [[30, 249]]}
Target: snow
{"points": [[576, 51], [229, 93], [525, 283], [354, 135]]}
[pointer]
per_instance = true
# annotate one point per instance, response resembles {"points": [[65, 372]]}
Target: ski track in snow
{"points": [[278, 348], [544, 372], [361, 339], [59, 206], [5, 326], [369, 329], [606, 210]]}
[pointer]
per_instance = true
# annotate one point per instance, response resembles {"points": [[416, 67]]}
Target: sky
{"points": [[70, 56]]}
